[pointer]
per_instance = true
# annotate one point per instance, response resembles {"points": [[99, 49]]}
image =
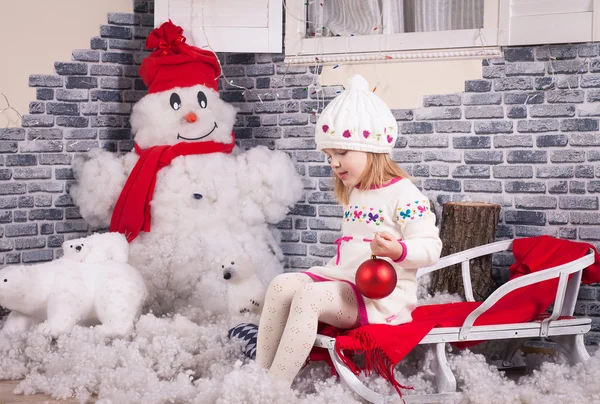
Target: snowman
{"points": [[183, 197]]}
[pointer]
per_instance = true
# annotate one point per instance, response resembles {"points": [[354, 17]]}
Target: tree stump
{"points": [[466, 225]]}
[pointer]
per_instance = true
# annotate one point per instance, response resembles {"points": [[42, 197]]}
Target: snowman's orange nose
{"points": [[191, 117]]}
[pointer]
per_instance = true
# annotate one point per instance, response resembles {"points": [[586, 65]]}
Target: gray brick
{"points": [[324, 224], [478, 86], [90, 108], [12, 134], [21, 160], [585, 218], [86, 55], [590, 80], [71, 95], [525, 217], [122, 58], [37, 121], [482, 186], [437, 113], [5, 174], [37, 256], [535, 202], [269, 107], [593, 95], [428, 141], [322, 251], [6, 245], [593, 186], [21, 230], [105, 96], [441, 100], [322, 197], [484, 112], [484, 157], [44, 187], [578, 202], [304, 262], [44, 94], [12, 188], [72, 122], [567, 156], [440, 155], [586, 233], [403, 114], [493, 127], [439, 170], [577, 187], [106, 70], [308, 237], [594, 155], [525, 69], [63, 174], [441, 185], [516, 111], [584, 139], [114, 134], [331, 211], [557, 217], [71, 227], [502, 141], [513, 171], [47, 228], [42, 80], [565, 96], [558, 187], [537, 125], [555, 172], [579, 125], [527, 156], [37, 107], [518, 54], [111, 31], [410, 128], [30, 243], [544, 111], [32, 173], [81, 82], [471, 171], [46, 134], [525, 187], [534, 231], [119, 83], [588, 110], [319, 171], [535, 97], [115, 108], [293, 119], [566, 67], [10, 202], [472, 142], [584, 171], [552, 140], [43, 200], [513, 83], [98, 43], [481, 99], [125, 44], [453, 127], [26, 202], [41, 146], [71, 68], [55, 241], [300, 224]]}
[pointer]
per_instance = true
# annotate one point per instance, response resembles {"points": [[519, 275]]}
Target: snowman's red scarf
{"points": [[132, 211]]}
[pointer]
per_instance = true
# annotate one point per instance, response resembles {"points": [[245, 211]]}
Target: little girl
{"points": [[384, 214]]}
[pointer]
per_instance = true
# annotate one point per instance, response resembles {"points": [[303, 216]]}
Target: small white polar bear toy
{"points": [[245, 291], [96, 248], [62, 293]]}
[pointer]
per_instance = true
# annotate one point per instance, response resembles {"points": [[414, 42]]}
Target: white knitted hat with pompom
{"points": [[357, 120]]}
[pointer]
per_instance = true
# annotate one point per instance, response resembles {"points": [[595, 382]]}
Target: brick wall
{"points": [[524, 136]]}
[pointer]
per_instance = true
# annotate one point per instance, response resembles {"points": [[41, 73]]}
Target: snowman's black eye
{"points": [[6, 280], [232, 263], [202, 99], [71, 246], [175, 101]]}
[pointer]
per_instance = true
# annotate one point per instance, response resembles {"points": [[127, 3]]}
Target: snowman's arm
{"points": [[271, 181], [100, 179]]}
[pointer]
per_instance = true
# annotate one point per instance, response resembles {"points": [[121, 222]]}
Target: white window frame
{"points": [[465, 43], [234, 38]]}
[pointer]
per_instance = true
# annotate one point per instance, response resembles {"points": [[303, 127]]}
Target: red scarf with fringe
{"points": [[384, 346], [132, 210]]}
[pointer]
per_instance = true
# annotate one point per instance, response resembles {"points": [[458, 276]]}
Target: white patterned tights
{"points": [[294, 305]]}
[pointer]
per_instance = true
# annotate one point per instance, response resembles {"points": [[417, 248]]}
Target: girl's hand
{"points": [[385, 245]]}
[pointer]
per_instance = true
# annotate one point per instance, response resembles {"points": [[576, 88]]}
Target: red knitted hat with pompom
{"points": [[173, 63]]}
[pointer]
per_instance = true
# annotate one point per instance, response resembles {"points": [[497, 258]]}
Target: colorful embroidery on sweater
{"points": [[413, 210], [364, 214]]}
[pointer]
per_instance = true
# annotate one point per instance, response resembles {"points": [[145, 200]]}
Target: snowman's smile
{"points": [[198, 138]]}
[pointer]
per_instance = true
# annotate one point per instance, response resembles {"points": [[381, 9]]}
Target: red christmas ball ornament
{"points": [[376, 278]]}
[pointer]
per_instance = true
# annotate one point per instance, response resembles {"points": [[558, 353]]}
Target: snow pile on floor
{"points": [[177, 361]]}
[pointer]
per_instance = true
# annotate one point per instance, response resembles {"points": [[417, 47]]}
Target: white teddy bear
{"points": [[183, 197], [245, 291], [96, 248], [65, 292]]}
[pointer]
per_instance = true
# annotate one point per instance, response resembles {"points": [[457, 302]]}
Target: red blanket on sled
{"points": [[384, 346]]}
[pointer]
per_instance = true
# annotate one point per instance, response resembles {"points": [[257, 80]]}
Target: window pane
{"points": [[373, 17]]}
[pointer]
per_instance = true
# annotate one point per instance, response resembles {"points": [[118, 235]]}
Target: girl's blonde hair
{"points": [[380, 169]]}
